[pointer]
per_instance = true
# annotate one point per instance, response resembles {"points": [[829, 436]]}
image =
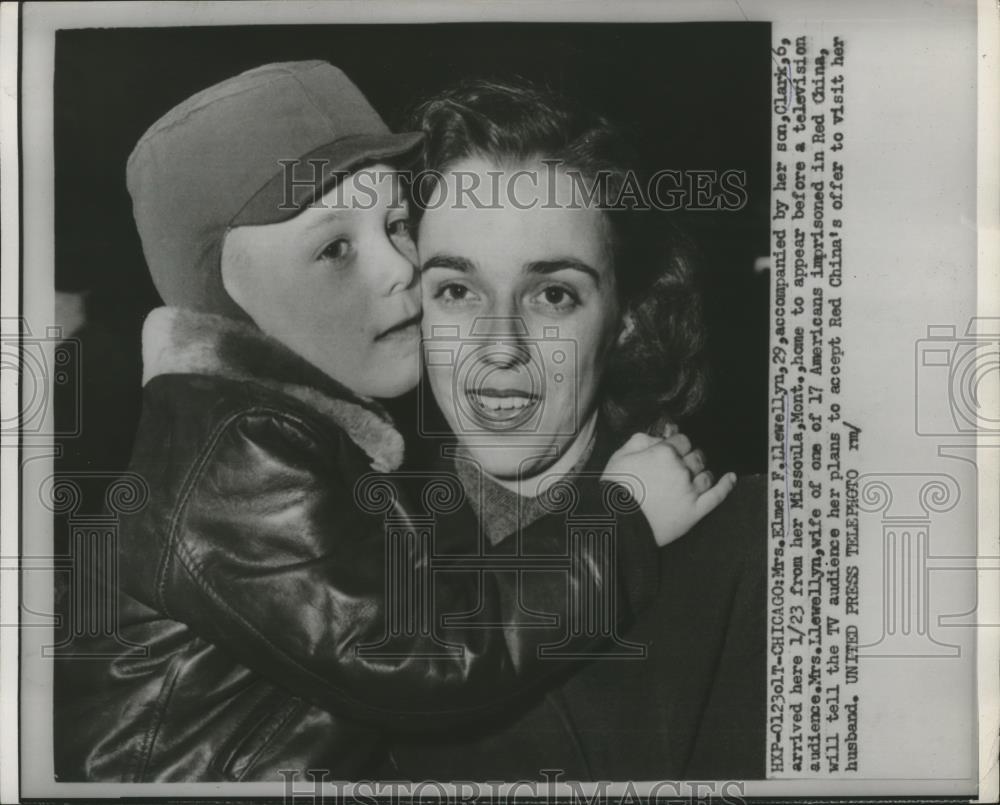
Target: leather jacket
{"points": [[259, 582]]}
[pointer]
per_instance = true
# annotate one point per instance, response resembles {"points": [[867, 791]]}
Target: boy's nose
{"points": [[399, 272]]}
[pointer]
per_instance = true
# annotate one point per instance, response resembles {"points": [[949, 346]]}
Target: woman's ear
{"points": [[627, 328]]}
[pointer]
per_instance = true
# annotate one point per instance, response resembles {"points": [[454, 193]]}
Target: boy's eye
{"points": [[337, 250], [400, 228]]}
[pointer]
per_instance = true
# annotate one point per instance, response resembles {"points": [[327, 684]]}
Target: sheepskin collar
{"points": [[178, 341]]}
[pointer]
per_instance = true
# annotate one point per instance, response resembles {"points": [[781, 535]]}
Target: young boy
{"points": [[257, 577]]}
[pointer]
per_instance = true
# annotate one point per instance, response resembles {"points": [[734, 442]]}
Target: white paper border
{"points": [[39, 28], [988, 237], [9, 487]]}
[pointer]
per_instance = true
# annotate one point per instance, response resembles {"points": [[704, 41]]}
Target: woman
{"points": [[558, 316]]}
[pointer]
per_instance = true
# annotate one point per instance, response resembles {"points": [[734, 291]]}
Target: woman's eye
{"points": [[337, 250], [557, 296], [453, 292]]}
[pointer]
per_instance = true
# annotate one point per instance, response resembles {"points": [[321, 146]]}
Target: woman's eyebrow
{"points": [[454, 262], [561, 263]]}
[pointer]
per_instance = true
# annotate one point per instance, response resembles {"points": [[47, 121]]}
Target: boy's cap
{"points": [[222, 159]]}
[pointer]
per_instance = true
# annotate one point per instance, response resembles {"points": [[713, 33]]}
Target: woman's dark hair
{"points": [[657, 371]]}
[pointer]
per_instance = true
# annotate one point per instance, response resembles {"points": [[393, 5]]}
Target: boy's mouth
{"points": [[402, 330]]}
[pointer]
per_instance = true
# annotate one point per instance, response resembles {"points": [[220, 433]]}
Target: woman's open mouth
{"points": [[510, 406]]}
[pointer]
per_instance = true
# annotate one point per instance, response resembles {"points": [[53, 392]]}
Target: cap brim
{"points": [[301, 181]]}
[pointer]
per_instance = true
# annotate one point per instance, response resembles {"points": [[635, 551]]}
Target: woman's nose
{"points": [[504, 340], [500, 325], [505, 355]]}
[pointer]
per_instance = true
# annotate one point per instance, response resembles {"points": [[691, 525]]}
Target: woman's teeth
{"points": [[491, 403]]}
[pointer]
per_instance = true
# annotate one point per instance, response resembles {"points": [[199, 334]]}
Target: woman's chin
{"points": [[512, 462]]}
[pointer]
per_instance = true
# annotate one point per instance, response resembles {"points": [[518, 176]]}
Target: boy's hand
{"points": [[677, 490]]}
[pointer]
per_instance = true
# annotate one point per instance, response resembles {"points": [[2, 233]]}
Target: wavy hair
{"points": [[657, 371]]}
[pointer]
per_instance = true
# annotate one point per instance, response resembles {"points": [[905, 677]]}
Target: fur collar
{"points": [[178, 341]]}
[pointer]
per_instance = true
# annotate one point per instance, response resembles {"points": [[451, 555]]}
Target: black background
{"points": [[697, 96]]}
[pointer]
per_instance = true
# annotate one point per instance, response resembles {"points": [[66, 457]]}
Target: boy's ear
{"points": [[627, 328]]}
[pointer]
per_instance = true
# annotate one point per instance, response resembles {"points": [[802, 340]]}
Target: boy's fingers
{"points": [[695, 461], [673, 463], [702, 482], [714, 496], [680, 443], [637, 442], [666, 429]]}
